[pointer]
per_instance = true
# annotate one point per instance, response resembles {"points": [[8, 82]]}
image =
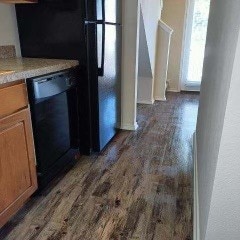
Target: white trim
{"points": [[191, 88], [129, 127], [145, 93], [118, 125], [162, 61], [161, 2], [165, 27], [160, 99], [150, 102], [196, 230], [173, 90]]}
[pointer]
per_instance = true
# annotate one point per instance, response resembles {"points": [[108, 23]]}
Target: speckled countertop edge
{"points": [[30, 67]]}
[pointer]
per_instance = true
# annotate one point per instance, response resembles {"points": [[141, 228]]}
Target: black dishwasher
{"points": [[54, 110]]}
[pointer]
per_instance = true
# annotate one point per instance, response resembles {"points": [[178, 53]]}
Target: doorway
{"points": [[195, 41]]}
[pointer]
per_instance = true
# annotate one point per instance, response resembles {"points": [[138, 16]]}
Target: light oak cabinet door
{"points": [[18, 179]]}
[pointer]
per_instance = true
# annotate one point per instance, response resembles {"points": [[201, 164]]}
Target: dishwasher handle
{"points": [[50, 86]]}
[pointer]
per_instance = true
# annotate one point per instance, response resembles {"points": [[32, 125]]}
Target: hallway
{"points": [[140, 187]]}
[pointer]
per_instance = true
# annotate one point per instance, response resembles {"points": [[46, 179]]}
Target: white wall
{"points": [[223, 31], [224, 215], [144, 58], [145, 76], [8, 27], [150, 15]]}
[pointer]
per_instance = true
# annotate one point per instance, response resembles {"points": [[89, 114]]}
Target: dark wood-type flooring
{"points": [[140, 187]]}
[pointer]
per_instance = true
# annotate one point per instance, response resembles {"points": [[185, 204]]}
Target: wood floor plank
{"points": [[140, 187]]}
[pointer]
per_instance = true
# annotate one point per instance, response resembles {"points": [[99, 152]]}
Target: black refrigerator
{"points": [[90, 32]]}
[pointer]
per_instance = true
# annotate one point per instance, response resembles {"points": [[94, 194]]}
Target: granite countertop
{"points": [[12, 69]]}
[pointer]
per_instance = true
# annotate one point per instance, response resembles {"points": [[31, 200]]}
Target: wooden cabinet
{"points": [[18, 179], [13, 98]]}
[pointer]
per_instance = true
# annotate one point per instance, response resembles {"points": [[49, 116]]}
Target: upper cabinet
{"points": [[19, 1]]}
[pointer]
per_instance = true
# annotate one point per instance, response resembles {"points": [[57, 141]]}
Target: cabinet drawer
{"points": [[12, 99]]}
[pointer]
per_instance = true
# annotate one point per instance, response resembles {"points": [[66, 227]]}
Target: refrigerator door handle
{"points": [[102, 43], [114, 24], [101, 68], [103, 11], [94, 22], [102, 23]]}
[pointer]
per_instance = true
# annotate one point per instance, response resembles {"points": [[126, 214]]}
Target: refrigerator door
{"points": [[104, 55], [92, 78], [112, 10], [108, 11], [109, 85], [48, 31]]}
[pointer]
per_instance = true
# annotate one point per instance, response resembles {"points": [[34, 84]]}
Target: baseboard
{"points": [[191, 89], [170, 88], [129, 127], [173, 90], [119, 125], [160, 99], [196, 230], [150, 102]]}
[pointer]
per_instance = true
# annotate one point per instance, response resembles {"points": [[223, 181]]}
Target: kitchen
{"points": [[79, 158], [67, 171], [61, 98]]}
